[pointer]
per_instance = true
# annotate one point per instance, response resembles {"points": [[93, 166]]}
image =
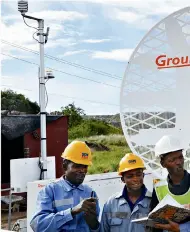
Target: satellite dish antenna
{"points": [[155, 92]]}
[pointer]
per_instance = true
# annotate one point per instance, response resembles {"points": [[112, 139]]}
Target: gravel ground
{"points": [[15, 216]]}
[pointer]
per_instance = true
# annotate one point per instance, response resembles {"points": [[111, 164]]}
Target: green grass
{"points": [[107, 161], [114, 139]]}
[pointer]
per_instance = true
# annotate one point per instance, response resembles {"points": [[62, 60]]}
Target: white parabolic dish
{"points": [[155, 92]]}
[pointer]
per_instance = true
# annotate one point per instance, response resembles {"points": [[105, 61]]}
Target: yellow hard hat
{"points": [[78, 152], [129, 162]]}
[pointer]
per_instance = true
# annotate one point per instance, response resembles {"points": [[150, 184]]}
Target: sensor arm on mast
{"points": [[39, 20], [30, 17]]}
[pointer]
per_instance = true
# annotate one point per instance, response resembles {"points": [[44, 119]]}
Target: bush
{"points": [[11, 100], [112, 139], [75, 114], [92, 127]]}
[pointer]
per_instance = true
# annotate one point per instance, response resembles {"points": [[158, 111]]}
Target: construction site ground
{"points": [[14, 217]]}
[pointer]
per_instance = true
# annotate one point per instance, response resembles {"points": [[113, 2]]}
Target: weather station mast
{"points": [[43, 38]]}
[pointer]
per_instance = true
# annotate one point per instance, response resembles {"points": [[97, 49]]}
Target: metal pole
{"points": [[42, 99], [7, 189], [10, 205]]}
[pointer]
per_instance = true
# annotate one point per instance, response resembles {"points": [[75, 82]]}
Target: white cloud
{"points": [[52, 43], [148, 6], [17, 32], [21, 35], [51, 15], [141, 14], [95, 40], [70, 53], [55, 29], [118, 54], [15, 52], [60, 43], [127, 16], [11, 78], [22, 84], [140, 21], [61, 15], [4, 58]]}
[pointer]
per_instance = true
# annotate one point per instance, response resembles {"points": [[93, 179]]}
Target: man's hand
{"points": [[91, 217], [171, 226], [91, 220], [88, 206]]}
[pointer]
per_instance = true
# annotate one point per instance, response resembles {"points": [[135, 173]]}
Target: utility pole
{"points": [[23, 8]]}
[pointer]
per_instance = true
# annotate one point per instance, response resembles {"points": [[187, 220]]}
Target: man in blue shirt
{"points": [[68, 205], [131, 203]]}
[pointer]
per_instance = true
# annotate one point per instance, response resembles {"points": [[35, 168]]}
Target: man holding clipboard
{"points": [[177, 185]]}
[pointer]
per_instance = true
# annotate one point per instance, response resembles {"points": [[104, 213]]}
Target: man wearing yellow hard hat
{"points": [[69, 205], [131, 203]]}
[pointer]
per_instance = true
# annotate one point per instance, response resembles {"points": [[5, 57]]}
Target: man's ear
{"points": [[64, 168], [122, 179], [162, 162]]}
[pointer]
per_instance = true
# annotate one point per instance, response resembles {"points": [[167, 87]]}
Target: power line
{"points": [[64, 61], [57, 70], [29, 62], [97, 102]]}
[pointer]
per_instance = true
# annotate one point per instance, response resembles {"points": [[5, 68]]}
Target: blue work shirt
{"points": [[54, 205], [185, 227], [117, 215], [131, 204]]}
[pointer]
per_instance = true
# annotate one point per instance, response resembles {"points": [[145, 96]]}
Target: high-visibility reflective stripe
{"points": [[121, 215], [62, 202]]}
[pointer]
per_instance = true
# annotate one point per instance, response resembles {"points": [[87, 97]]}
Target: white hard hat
{"points": [[168, 143]]}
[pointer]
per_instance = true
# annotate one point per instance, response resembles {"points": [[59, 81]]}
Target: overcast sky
{"points": [[94, 35]]}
